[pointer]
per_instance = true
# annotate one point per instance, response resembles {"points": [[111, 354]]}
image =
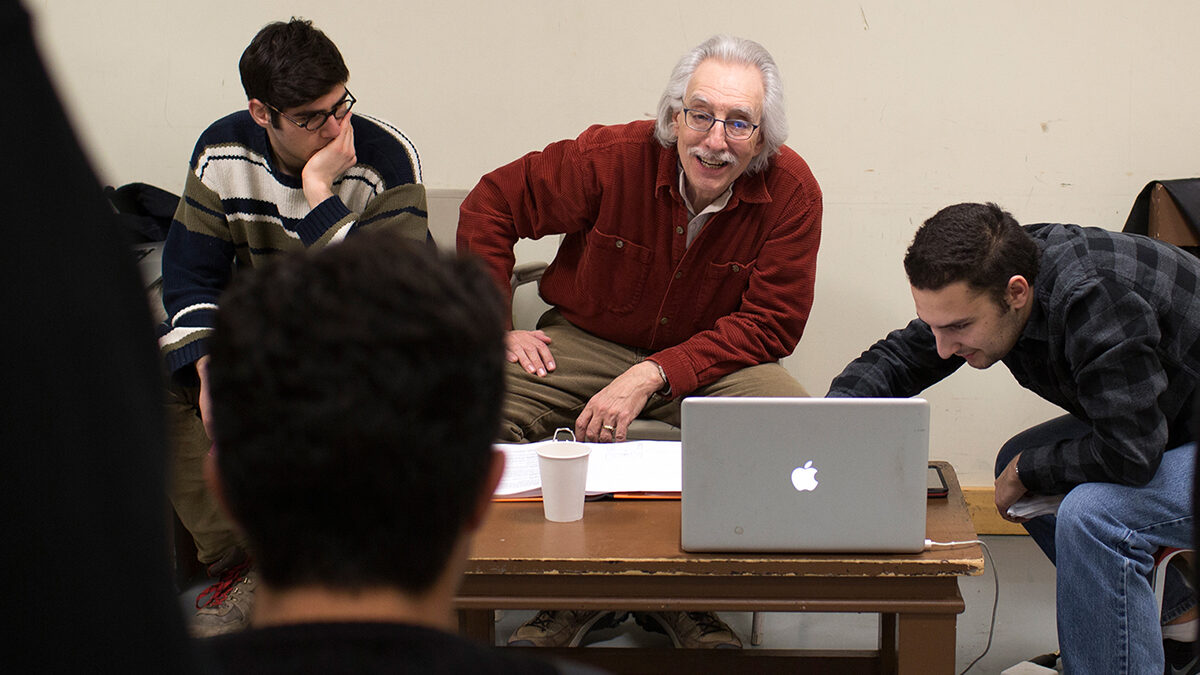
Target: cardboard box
{"points": [[1167, 222]]}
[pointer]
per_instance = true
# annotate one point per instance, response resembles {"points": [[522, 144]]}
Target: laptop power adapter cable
{"points": [[931, 545]]}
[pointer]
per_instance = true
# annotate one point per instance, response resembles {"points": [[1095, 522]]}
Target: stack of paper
{"points": [[632, 467]]}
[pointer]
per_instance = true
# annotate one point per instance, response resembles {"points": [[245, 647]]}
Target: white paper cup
{"points": [[563, 466]]}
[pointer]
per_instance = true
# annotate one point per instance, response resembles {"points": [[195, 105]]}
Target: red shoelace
{"points": [[217, 592]]}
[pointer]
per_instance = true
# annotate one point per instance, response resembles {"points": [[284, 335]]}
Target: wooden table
{"points": [[625, 555]]}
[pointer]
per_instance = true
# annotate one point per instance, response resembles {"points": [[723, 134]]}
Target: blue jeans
{"points": [[1102, 543]]}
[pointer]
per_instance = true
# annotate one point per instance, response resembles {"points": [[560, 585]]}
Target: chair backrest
{"points": [[1169, 211]]}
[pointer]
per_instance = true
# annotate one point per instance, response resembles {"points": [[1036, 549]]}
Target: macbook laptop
{"points": [[804, 474]]}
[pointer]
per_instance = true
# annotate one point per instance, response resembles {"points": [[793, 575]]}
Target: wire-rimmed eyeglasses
{"points": [[738, 130]]}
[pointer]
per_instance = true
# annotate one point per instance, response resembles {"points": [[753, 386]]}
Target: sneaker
{"points": [[561, 628], [224, 607], [690, 630], [1181, 658]]}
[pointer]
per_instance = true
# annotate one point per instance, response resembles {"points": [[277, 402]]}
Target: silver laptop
{"points": [[804, 474]]}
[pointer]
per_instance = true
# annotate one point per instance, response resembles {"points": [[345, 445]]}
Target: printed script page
{"points": [[634, 466]]}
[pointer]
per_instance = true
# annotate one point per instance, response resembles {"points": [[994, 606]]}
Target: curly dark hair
{"points": [[981, 244], [356, 395]]}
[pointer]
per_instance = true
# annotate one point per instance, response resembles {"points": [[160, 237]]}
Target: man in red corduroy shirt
{"points": [[686, 269]]}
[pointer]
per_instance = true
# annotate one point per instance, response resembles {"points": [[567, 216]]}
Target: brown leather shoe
{"points": [[560, 628], [690, 630]]}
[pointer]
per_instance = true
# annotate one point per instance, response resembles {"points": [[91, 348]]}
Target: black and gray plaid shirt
{"points": [[1114, 339]]}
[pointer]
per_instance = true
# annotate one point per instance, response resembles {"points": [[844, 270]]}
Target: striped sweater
{"points": [[238, 209]]}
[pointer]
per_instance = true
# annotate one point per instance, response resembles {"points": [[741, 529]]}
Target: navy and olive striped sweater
{"points": [[238, 208]]}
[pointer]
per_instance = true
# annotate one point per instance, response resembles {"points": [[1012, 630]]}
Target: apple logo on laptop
{"points": [[805, 477]]}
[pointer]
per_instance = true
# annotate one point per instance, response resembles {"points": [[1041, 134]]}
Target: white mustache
{"points": [[714, 158]]}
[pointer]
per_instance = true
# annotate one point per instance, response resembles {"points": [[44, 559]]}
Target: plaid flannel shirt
{"points": [[1113, 338]]}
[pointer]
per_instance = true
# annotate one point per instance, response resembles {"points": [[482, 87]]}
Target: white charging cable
{"points": [[930, 545]]}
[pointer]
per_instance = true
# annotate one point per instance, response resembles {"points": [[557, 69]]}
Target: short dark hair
{"points": [[291, 64], [356, 395], [981, 244]]}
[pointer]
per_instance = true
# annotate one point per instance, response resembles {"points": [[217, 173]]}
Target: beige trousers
{"points": [[535, 406], [197, 508]]}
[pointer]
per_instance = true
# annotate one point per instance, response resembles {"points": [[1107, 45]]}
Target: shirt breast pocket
{"points": [[724, 285], [617, 268]]}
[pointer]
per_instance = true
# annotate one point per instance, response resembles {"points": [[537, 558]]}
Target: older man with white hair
{"points": [[686, 269]]}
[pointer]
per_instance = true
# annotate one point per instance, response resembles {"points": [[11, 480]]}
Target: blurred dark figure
{"points": [[85, 555]]}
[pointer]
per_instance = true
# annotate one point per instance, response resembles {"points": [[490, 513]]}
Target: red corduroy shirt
{"points": [[738, 296]]}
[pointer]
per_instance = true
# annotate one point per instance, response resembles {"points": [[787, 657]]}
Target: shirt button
{"points": [[737, 268], [678, 230], [663, 321], [679, 275], [620, 244]]}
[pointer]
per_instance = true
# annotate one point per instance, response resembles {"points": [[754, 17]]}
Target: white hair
{"points": [[728, 49]]}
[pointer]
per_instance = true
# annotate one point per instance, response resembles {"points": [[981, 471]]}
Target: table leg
{"points": [[925, 643], [887, 643], [478, 625]]}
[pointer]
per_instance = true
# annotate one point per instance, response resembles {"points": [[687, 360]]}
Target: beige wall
{"points": [[1058, 110]]}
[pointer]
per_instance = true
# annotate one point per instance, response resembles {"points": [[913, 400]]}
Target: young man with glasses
{"points": [[296, 170], [686, 269]]}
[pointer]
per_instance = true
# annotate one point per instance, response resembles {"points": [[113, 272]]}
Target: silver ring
{"points": [[608, 427]]}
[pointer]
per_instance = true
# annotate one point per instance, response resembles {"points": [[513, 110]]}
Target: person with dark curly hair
{"points": [[356, 392]]}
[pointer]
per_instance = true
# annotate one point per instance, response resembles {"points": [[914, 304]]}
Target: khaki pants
{"points": [[197, 508], [536, 406]]}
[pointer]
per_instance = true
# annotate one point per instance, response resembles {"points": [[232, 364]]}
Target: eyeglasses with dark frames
{"points": [[315, 121], [739, 130]]}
